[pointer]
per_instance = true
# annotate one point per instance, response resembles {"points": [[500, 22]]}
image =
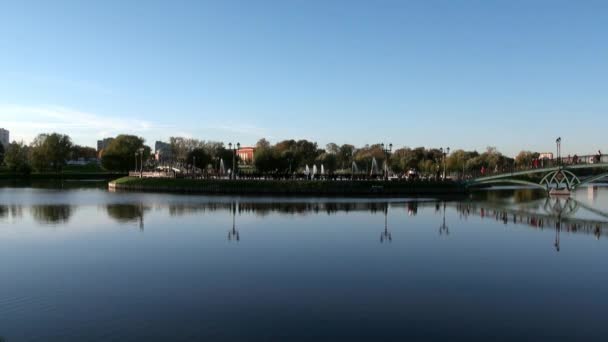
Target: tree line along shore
{"points": [[50, 154]]}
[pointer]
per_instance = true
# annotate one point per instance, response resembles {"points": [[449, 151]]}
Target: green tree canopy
{"points": [[1, 154], [51, 151], [200, 158], [16, 158], [120, 154]]}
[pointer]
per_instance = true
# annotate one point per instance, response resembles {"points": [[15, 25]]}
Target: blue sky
{"points": [[465, 74]]}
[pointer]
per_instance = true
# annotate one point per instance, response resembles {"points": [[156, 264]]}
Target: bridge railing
{"points": [[568, 161]]}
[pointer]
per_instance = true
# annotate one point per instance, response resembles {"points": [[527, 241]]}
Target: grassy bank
{"points": [[287, 187]]}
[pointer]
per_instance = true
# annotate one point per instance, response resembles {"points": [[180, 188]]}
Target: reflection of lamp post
{"points": [[444, 228], [386, 235], [233, 234]]}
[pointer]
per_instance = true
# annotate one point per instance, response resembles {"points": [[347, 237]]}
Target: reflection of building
{"points": [[4, 137], [246, 154], [162, 150], [103, 144]]}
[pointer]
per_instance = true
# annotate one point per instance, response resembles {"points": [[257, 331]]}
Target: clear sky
{"points": [[465, 74]]}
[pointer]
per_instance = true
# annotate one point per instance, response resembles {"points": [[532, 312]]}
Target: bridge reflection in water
{"points": [[556, 213]]}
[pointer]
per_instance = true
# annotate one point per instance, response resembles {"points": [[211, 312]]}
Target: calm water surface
{"points": [[84, 264]]}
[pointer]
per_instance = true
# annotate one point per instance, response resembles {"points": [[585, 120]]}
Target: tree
{"points": [[345, 155], [329, 161], [16, 158], [1, 154], [267, 160], [200, 158], [180, 146], [262, 143], [332, 148], [120, 154], [51, 151], [83, 152], [525, 158]]}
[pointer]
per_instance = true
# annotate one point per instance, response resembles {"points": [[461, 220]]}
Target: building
{"points": [[103, 144], [4, 138], [246, 154], [162, 151], [545, 155]]}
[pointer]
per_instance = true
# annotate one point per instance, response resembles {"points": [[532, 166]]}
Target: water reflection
{"points": [[233, 235], [552, 212], [386, 235], [11, 211], [125, 213], [51, 213], [443, 228]]}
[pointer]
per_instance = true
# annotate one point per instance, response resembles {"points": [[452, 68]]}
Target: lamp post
{"points": [[236, 147], [387, 152], [136, 153], [558, 142], [141, 164], [444, 153], [194, 166]]}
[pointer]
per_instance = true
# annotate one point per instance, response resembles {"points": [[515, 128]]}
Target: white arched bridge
{"points": [[565, 173]]}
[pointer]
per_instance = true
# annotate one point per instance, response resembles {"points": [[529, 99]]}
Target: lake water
{"points": [[85, 264]]}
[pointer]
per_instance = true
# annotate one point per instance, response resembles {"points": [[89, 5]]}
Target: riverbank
{"points": [[61, 176], [287, 187]]}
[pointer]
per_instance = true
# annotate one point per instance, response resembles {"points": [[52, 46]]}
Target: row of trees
{"points": [[294, 155], [49, 152]]}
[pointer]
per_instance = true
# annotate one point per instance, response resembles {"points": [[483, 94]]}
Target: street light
{"points": [[444, 153], [387, 152], [135, 161], [558, 142], [141, 164], [237, 147]]}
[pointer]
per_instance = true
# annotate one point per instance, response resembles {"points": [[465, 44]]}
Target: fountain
{"points": [[314, 171], [222, 169], [374, 169], [322, 170], [355, 168], [307, 170]]}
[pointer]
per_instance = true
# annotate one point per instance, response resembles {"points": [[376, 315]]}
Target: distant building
{"points": [[162, 151], [246, 154], [546, 155], [103, 144], [4, 137]]}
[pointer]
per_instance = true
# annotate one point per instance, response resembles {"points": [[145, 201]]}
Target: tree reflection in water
{"points": [[126, 213], [51, 213]]}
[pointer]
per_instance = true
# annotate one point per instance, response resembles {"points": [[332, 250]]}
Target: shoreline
{"points": [[287, 187], [61, 176]]}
